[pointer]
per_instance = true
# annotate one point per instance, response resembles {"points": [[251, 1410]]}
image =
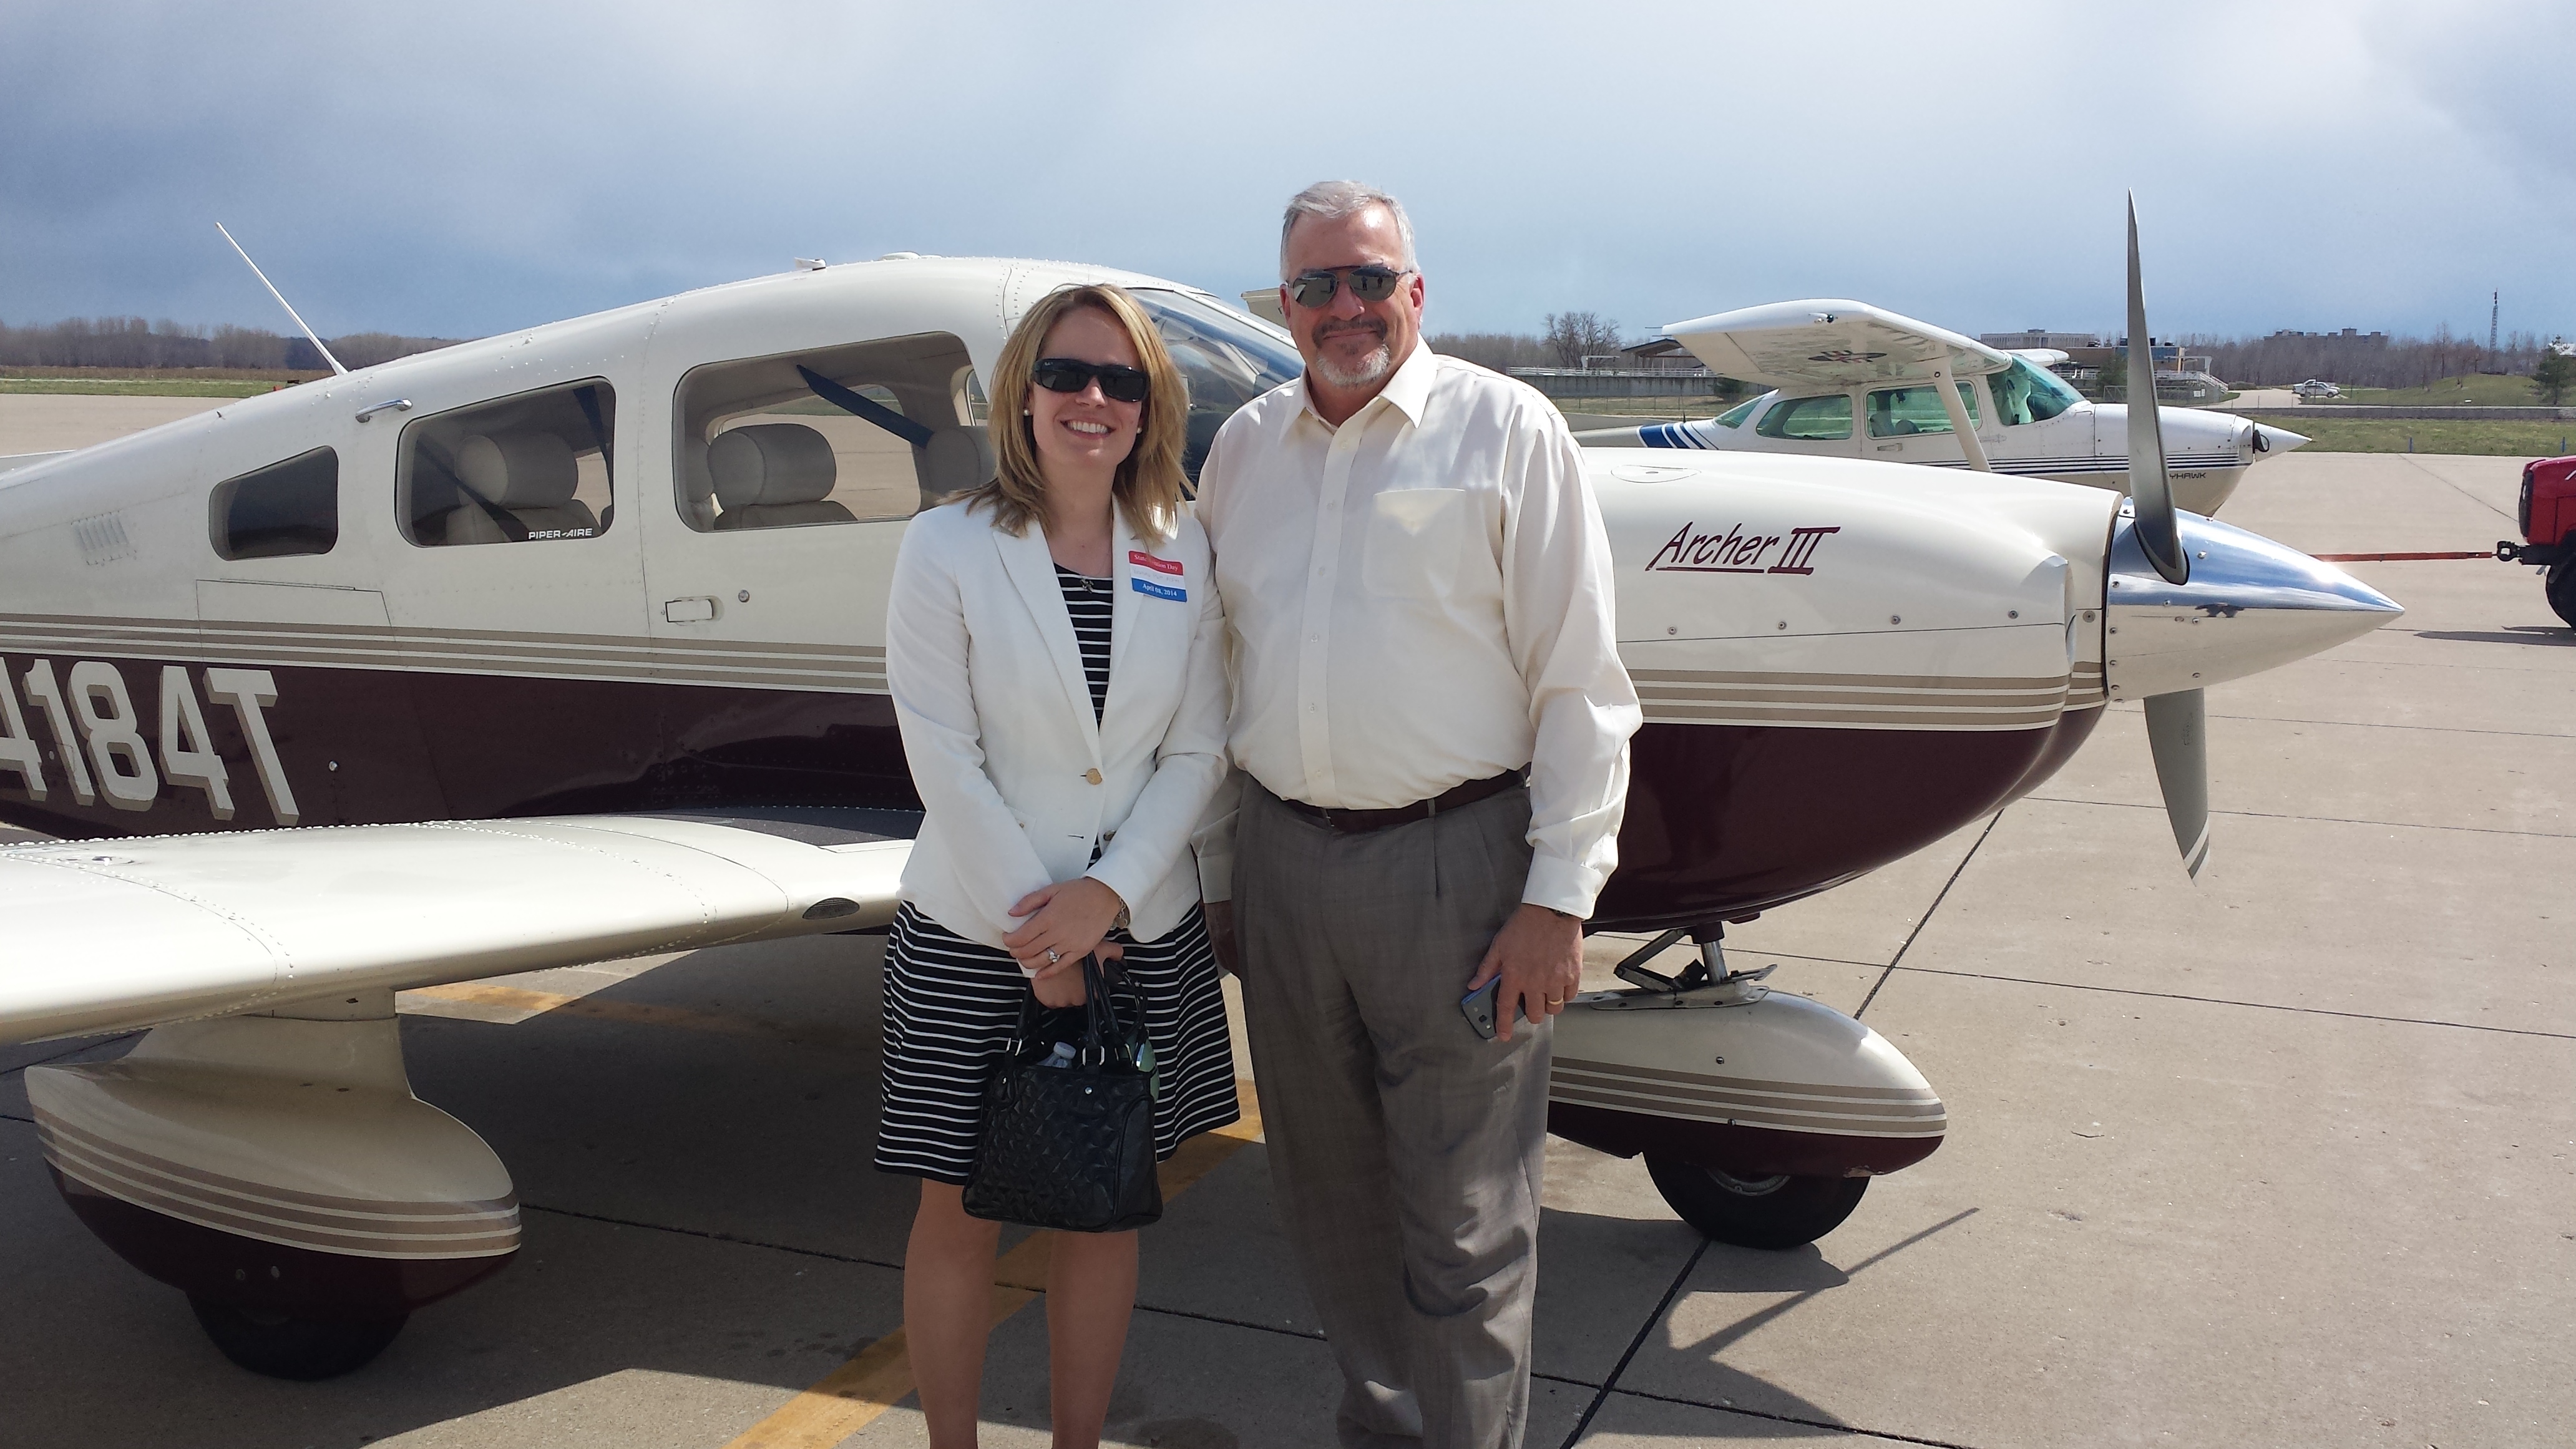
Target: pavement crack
{"points": [[2321, 819], [1928, 911], [710, 1235], [1310, 1335], [1661, 1308], [1827, 1424], [2456, 488], [2368, 724], [2253, 1005]]}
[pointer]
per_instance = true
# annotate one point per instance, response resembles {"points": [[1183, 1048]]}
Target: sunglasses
{"points": [[1372, 283], [1070, 374]]}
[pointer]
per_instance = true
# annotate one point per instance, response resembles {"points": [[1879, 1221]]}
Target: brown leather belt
{"points": [[1358, 822]]}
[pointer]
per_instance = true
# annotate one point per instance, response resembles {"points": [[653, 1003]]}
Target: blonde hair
{"points": [[1149, 483]]}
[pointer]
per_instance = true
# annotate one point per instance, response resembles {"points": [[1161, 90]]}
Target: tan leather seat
{"points": [[954, 460], [529, 476], [774, 475]]}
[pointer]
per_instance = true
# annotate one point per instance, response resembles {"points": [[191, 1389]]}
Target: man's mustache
{"points": [[1371, 326]]}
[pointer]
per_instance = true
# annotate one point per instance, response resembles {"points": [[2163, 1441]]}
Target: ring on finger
{"points": [[1053, 956]]}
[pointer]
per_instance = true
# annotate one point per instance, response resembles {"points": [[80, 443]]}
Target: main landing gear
{"points": [[1761, 1116]]}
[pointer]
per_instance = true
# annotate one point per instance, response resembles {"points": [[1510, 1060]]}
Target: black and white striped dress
{"points": [[951, 1004]]}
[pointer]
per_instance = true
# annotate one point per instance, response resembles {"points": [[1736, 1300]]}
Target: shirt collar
{"points": [[1408, 391]]}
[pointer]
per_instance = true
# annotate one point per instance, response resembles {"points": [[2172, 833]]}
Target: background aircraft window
{"points": [[1812, 419], [1734, 417], [285, 508], [2028, 394], [1226, 357], [869, 430], [526, 468], [1896, 412]]}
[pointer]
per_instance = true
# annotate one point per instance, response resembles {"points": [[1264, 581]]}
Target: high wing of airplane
{"points": [[1849, 380], [569, 644]]}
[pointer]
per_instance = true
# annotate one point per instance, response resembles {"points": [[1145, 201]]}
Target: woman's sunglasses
{"points": [[1313, 290], [1069, 374]]}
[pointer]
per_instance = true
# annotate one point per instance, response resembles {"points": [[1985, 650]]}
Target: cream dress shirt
{"points": [[1416, 599]]}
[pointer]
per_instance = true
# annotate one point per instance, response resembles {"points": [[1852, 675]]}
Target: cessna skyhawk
{"points": [[575, 639], [1849, 380]]}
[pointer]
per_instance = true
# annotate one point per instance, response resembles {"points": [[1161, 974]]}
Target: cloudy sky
{"points": [[469, 167]]}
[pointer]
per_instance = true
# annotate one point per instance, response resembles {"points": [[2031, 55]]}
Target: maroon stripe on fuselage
{"points": [[1722, 819]]}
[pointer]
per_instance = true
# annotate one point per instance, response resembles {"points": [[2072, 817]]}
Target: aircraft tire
{"points": [[1771, 1212], [2561, 586], [292, 1348]]}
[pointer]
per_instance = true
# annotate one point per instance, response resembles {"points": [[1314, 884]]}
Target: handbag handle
{"points": [[1102, 1032]]}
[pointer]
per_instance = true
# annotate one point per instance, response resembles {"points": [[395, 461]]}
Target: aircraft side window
{"points": [[534, 467], [283, 509], [866, 430], [1809, 419], [2028, 394], [1897, 412]]}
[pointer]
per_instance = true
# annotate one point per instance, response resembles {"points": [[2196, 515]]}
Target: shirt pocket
{"points": [[1414, 538]]}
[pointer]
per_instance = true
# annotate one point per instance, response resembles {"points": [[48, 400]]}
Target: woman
{"points": [[1052, 645]]}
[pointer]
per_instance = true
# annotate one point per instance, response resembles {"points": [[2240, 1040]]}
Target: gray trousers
{"points": [[1405, 1150]]}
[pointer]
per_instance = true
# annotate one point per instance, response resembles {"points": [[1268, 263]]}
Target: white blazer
{"points": [[1017, 778]]}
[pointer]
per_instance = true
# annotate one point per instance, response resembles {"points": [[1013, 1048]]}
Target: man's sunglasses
{"points": [[1069, 374], [1314, 290]]}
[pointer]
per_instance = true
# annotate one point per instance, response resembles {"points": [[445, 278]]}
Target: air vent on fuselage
{"points": [[102, 539]]}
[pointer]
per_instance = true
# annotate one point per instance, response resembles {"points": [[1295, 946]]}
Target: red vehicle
{"points": [[2547, 514]]}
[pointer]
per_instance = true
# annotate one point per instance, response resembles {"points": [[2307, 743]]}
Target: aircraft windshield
{"points": [[1734, 417], [1228, 360], [2028, 394]]}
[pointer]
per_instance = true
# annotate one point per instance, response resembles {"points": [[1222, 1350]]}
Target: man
{"points": [[1433, 722]]}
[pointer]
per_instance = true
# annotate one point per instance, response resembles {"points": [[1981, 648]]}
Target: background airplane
{"points": [[574, 638], [1849, 380]]}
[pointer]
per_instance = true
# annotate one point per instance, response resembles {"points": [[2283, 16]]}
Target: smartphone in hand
{"points": [[1478, 1005]]}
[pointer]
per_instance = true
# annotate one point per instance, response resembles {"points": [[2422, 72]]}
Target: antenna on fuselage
{"points": [[281, 301]]}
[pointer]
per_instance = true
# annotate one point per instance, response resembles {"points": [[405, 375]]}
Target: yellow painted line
{"points": [[879, 1376]]}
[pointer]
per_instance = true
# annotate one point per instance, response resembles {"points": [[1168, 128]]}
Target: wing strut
{"points": [[1959, 420]]}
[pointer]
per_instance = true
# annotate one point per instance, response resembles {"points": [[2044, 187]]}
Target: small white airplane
{"points": [[2313, 388], [1849, 380], [568, 645]]}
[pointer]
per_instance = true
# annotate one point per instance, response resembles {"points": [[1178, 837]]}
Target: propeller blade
{"points": [[2178, 735], [2150, 491]]}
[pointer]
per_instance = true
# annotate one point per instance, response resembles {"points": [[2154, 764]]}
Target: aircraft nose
{"points": [[2250, 604]]}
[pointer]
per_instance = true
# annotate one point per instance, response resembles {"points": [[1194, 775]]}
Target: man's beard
{"points": [[1372, 368]]}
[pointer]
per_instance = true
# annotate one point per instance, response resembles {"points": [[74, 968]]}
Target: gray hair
{"points": [[1333, 200]]}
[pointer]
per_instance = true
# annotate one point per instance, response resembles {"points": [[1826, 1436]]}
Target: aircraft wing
{"points": [[1825, 342], [107, 935]]}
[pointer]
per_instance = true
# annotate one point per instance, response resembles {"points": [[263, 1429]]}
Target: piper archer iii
{"points": [[567, 645], [1849, 380]]}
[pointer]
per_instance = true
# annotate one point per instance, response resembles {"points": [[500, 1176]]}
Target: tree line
{"points": [[2371, 361], [133, 342]]}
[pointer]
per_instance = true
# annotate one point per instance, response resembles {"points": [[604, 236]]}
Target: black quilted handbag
{"points": [[1069, 1137]]}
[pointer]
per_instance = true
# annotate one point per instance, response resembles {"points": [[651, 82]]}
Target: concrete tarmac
{"points": [[2287, 1156], [40, 422]]}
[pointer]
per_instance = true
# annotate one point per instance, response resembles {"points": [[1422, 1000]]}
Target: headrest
{"points": [[958, 458], [518, 470], [766, 464]]}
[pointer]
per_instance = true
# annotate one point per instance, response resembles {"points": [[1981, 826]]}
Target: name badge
{"points": [[1160, 591], [1144, 560]]}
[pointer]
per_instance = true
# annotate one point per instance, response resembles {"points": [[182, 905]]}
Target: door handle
{"points": [[688, 611], [1889, 447]]}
